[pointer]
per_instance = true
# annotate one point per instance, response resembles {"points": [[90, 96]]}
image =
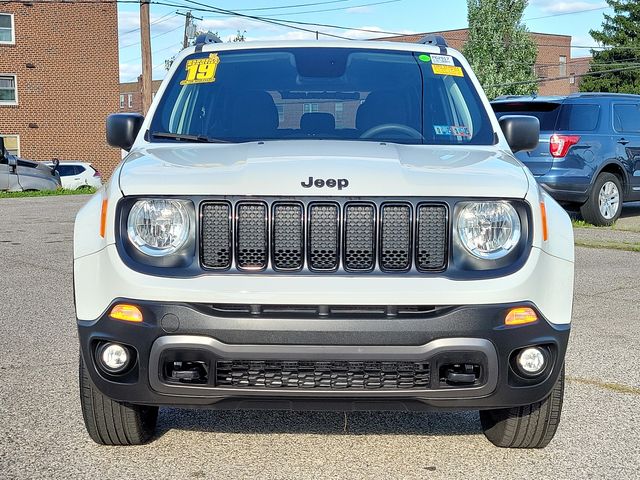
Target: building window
{"points": [[7, 29], [130, 100], [311, 107], [12, 144], [572, 79], [121, 101], [8, 90], [541, 71], [563, 66]]}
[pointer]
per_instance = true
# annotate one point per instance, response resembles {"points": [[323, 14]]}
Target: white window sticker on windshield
{"points": [[455, 130], [442, 60]]}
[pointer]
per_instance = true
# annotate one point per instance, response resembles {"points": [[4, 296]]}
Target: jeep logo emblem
{"points": [[329, 182]]}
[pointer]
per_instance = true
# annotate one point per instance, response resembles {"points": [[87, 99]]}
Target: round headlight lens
{"points": [[489, 230], [158, 227]]}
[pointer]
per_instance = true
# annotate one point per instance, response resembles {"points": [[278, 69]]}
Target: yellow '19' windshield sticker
{"points": [[201, 70], [447, 70]]}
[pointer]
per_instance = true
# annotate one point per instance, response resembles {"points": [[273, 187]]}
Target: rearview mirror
{"points": [[122, 129], [521, 131]]}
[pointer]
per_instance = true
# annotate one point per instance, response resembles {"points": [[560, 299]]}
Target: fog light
{"points": [[531, 361], [114, 357]]}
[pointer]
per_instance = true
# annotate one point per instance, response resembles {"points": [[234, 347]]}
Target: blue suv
{"points": [[589, 151]]}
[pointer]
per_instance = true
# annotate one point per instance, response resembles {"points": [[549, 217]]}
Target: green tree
{"points": [[500, 48], [621, 35]]}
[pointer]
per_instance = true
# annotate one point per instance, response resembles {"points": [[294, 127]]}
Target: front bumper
{"points": [[455, 334]]}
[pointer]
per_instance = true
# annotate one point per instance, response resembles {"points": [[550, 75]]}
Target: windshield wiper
{"points": [[183, 137]]}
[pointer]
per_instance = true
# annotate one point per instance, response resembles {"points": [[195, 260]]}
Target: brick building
{"points": [[131, 95], [59, 80], [554, 58]]}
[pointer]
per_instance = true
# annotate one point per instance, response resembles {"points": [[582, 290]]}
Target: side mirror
{"points": [[122, 129], [3, 151], [521, 131], [13, 163]]}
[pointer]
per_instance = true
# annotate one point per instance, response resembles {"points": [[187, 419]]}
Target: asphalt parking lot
{"points": [[42, 434]]}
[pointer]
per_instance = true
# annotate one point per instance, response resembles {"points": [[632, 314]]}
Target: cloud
{"points": [[552, 6], [359, 10], [129, 24], [129, 71]]}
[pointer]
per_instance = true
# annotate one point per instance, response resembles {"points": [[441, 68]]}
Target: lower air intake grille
{"points": [[252, 236], [216, 235], [431, 237], [323, 236], [395, 248], [330, 375]]}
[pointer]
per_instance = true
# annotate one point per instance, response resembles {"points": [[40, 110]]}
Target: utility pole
{"points": [[187, 24], [145, 40], [189, 27]]}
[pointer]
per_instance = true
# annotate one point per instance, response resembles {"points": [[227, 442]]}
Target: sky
{"points": [[568, 17]]}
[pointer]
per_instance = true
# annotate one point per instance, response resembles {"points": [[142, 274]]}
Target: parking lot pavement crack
{"points": [[614, 387]]}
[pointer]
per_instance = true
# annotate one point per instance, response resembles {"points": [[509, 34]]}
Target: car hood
{"points": [[282, 167]]}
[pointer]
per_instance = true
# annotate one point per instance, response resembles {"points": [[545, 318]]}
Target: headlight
{"points": [[489, 230], [158, 227]]}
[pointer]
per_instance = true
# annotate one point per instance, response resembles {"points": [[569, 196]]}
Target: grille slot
{"points": [[288, 236], [329, 375], [251, 236], [323, 236], [216, 235], [359, 237], [395, 237], [431, 238]]}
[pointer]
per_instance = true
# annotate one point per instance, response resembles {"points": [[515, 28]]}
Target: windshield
{"points": [[321, 93]]}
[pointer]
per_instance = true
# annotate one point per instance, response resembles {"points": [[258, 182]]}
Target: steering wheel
{"points": [[392, 127]]}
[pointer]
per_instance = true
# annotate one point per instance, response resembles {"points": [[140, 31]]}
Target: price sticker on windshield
{"points": [[201, 70], [447, 70]]}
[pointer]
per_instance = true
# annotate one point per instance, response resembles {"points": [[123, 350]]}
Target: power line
{"points": [[328, 9], [289, 6], [154, 36], [262, 19], [553, 79], [164, 18], [560, 14]]}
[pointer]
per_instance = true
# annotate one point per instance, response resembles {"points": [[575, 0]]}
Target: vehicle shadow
{"points": [[630, 210], [323, 423]]}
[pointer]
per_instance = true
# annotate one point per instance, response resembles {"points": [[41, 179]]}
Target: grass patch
{"points": [[48, 193], [627, 246], [581, 224]]}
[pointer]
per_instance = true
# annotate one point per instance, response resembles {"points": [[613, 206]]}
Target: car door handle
{"points": [[623, 141]]}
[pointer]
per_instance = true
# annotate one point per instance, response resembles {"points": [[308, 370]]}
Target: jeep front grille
{"points": [[330, 375], [371, 235]]}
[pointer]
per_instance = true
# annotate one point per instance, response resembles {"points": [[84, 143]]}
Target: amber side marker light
{"points": [[543, 213], [103, 218], [127, 313], [520, 316]]}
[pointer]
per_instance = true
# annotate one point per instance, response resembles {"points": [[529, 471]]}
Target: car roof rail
{"points": [[204, 39]]}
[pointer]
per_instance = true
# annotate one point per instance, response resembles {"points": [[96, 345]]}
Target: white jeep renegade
{"points": [[307, 225]]}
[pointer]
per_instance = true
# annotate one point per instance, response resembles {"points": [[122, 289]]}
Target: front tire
{"points": [[604, 205], [529, 426], [109, 422]]}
